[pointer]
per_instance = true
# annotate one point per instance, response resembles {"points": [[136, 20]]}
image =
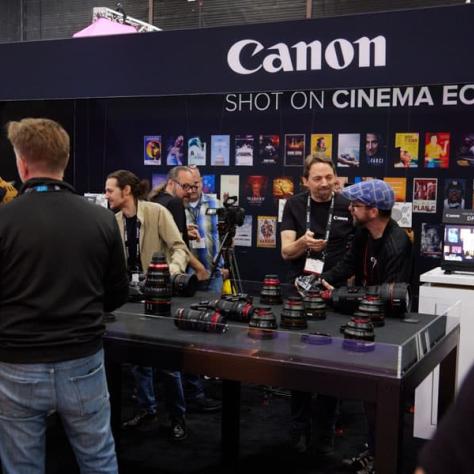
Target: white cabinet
{"points": [[438, 293]]}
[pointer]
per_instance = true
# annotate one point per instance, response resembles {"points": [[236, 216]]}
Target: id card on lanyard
{"points": [[316, 265]]}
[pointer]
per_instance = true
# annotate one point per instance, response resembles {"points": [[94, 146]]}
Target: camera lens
{"points": [[204, 320], [372, 307], [263, 323], [293, 316], [157, 289], [184, 284], [235, 308], [359, 334], [314, 306], [271, 291]]}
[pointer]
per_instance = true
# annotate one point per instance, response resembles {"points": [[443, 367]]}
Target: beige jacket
{"points": [[158, 233]]}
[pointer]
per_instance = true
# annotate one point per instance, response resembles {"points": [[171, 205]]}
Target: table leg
{"points": [[388, 429], [447, 382], [230, 428]]}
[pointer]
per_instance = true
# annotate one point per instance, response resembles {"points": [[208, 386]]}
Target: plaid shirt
{"points": [[207, 225]]}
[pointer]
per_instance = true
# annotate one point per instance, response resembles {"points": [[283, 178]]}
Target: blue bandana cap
{"points": [[373, 193]]}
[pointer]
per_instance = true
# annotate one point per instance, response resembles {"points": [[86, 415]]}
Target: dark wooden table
{"points": [[404, 354]]}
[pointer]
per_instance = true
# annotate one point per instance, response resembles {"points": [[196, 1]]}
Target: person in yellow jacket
{"points": [[8, 192]]}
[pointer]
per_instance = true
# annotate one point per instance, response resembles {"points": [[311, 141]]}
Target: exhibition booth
{"points": [[387, 95]]}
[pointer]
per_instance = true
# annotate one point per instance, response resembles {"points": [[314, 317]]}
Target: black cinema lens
{"points": [[271, 290], [263, 323], [205, 320], [184, 284], [395, 297], [293, 316], [359, 334], [314, 305], [157, 288], [235, 308]]}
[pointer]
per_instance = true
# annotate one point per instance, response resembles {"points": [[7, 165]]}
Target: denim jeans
{"points": [[174, 395], [77, 391]]}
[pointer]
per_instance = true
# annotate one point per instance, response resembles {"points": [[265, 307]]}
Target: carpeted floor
{"points": [[263, 445]]}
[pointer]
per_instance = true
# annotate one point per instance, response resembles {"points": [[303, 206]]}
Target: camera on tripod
{"points": [[229, 216]]}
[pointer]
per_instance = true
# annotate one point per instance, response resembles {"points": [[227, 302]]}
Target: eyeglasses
{"points": [[187, 187]]}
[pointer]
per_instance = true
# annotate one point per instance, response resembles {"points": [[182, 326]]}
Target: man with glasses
{"points": [[380, 252], [315, 231], [203, 230], [179, 185]]}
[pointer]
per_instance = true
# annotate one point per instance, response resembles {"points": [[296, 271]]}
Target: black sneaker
{"points": [[361, 464], [203, 405], [178, 431], [142, 420]]}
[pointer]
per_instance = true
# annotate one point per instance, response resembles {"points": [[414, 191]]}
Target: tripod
{"points": [[230, 261]]}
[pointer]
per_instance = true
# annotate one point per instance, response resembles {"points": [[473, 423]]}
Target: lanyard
{"points": [[328, 225], [43, 188]]}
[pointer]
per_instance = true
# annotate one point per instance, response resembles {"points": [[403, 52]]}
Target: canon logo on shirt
{"points": [[248, 56]]}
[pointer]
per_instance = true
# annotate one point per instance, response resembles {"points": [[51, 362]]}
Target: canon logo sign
{"points": [[248, 56]]}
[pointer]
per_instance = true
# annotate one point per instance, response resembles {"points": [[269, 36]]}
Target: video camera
{"points": [[229, 216]]}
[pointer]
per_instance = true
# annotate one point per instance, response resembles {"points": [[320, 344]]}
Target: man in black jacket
{"points": [[62, 267], [380, 252]]}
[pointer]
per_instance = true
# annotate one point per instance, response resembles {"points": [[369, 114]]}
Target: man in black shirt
{"points": [[315, 231], [62, 267]]}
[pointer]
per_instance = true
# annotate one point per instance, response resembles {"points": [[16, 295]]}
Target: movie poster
{"points": [[229, 187], [244, 148], [321, 145], [281, 208], [220, 150], [465, 151], [294, 149], [375, 150], [425, 191], [399, 186], [437, 149], [158, 179], [406, 150], [431, 240], [208, 183], [243, 233], [283, 187], [196, 151], [269, 149], [348, 150], [341, 183], [454, 193], [402, 214], [266, 231], [255, 190], [152, 150], [175, 150]]}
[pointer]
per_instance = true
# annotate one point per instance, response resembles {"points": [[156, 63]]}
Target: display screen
{"points": [[458, 243]]}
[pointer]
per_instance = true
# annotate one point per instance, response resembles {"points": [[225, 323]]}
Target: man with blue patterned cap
{"points": [[380, 252]]}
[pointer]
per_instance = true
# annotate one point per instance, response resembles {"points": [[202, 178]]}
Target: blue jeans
{"points": [[174, 395], [77, 391]]}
